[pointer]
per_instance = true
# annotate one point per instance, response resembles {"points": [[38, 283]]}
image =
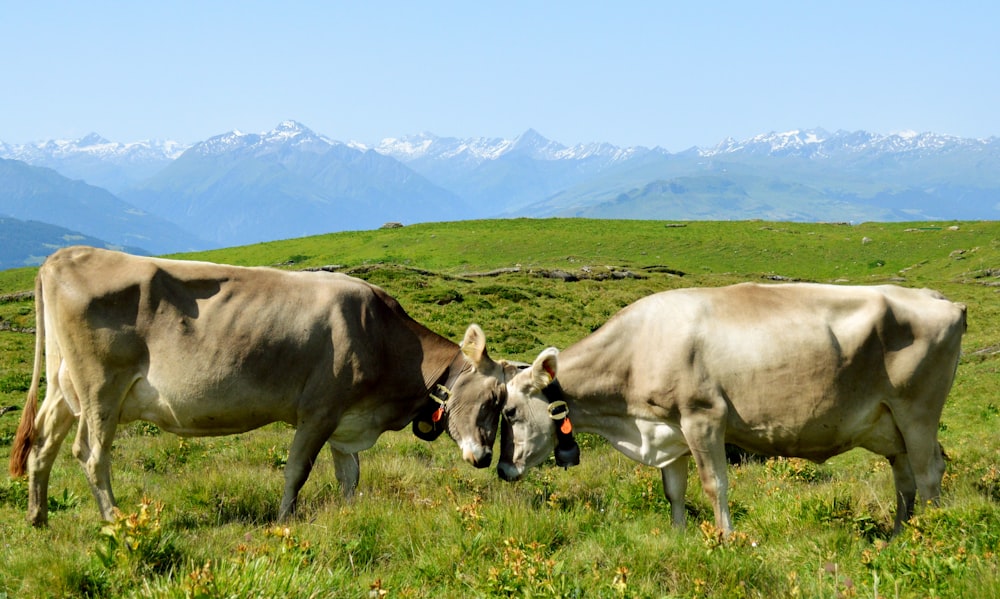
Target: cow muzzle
{"points": [[477, 455], [507, 471]]}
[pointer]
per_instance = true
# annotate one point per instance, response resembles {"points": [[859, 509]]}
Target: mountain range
{"points": [[239, 188]]}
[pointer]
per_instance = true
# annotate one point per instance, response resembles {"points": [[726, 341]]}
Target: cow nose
{"points": [[480, 457], [484, 460], [508, 471]]}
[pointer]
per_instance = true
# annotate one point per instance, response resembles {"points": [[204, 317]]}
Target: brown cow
{"points": [[786, 370], [203, 349]]}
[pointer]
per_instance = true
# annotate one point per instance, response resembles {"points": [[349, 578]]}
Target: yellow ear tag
{"points": [[566, 427], [424, 426]]}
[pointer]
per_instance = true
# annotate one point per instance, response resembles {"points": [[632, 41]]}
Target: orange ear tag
{"points": [[438, 413], [566, 427]]}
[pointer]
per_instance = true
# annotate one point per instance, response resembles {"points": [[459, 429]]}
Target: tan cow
{"points": [[784, 370], [202, 349]]}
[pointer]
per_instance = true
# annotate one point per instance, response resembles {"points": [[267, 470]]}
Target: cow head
{"points": [[535, 420], [475, 399]]}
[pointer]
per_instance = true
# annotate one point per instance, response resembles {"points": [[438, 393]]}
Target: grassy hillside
{"points": [[427, 525]]}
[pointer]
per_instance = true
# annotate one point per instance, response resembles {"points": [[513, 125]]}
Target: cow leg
{"points": [[906, 490], [927, 462], [675, 487], [706, 439], [306, 445], [712, 471], [93, 450], [347, 467], [52, 425], [886, 439], [917, 465], [921, 469]]}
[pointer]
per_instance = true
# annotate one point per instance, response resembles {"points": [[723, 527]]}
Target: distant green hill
{"points": [[27, 243], [32, 193]]}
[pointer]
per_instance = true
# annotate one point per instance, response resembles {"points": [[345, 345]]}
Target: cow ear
{"points": [[543, 369], [474, 344]]}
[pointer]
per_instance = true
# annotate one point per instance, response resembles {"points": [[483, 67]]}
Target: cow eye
{"points": [[509, 413]]}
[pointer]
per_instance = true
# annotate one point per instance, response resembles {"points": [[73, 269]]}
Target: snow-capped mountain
{"points": [[818, 143], [800, 175], [239, 188], [288, 135], [603, 150], [242, 187], [95, 145], [107, 164], [500, 176], [427, 146]]}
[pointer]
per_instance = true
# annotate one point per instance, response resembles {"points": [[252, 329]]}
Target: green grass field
{"points": [[198, 514]]}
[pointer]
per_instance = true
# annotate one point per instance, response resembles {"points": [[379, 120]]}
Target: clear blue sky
{"points": [[658, 73]]}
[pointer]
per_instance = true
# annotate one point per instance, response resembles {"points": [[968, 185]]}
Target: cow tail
{"points": [[25, 436]]}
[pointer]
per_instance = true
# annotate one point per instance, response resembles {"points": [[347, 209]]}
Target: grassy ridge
{"points": [[806, 250], [427, 525]]}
